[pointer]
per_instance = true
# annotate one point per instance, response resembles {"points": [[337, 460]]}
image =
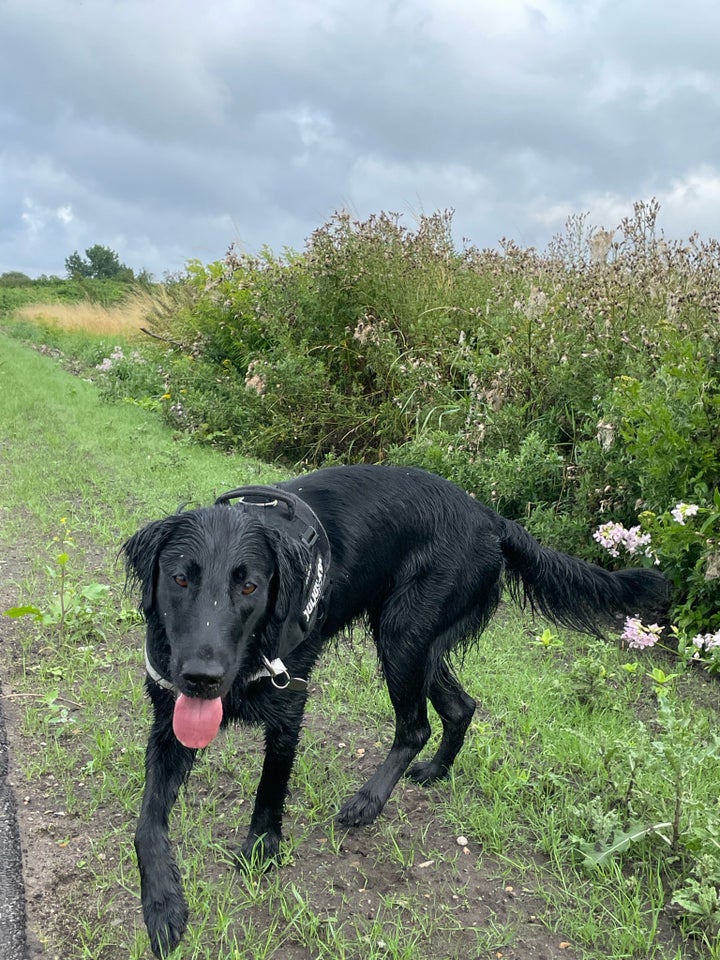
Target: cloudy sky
{"points": [[167, 129]]}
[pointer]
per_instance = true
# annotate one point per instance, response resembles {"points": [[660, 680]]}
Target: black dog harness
{"points": [[287, 513]]}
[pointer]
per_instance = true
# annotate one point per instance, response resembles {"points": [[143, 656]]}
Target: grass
{"points": [[104, 467], [124, 318], [83, 316], [569, 747]]}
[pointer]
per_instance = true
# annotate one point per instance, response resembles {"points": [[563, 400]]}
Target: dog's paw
{"points": [[427, 772], [359, 810], [166, 922], [258, 853]]}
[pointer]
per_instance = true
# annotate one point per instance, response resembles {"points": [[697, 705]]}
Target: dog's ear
{"points": [[141, 556], [292, 561]]}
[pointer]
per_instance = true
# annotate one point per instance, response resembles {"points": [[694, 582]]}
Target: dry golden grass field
{"points": [[126, 318]]}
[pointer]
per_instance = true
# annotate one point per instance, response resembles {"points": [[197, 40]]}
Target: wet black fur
{"points": [[420, 558]]}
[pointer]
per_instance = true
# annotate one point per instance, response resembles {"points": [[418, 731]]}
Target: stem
{"points": [[38, 696], [62, 598], [677, 781]]}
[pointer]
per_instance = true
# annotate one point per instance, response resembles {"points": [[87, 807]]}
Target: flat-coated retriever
{"points": [[238, 600]]}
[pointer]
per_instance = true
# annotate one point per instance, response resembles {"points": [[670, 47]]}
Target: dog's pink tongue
{"points": [[196, 722]]}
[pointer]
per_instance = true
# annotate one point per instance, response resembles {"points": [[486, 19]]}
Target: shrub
{"points": [[567, 388], [684, 542]]}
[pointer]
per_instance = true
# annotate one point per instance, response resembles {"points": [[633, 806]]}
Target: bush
{"points": [[567, 389]]}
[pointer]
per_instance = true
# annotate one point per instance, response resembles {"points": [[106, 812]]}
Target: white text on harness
{"points": [[316, 591]]}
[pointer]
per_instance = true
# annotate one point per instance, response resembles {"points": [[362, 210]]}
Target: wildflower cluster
{"points": [[707, 641], [685, 555], [614, 536], [683, 510], [116, 357], [109, 362], [638, 636]]}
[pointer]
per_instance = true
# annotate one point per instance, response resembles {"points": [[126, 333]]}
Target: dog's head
{"points": [[218, 589]]}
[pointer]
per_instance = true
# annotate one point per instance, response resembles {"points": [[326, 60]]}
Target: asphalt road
{"points": [[13, 944]]}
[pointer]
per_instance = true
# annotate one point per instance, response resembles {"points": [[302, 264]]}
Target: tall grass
{"points": [[125, 319]]}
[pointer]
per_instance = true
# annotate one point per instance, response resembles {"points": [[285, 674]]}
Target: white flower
{"points": [[683, 510]]}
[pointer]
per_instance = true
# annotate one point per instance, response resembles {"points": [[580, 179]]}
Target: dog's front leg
{"points": [[167, 765], [281, 740]]}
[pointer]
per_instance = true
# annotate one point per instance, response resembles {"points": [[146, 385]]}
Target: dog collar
{"points": [[154, 675], [275, 669]]}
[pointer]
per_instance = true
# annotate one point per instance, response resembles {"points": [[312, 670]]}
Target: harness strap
{"points": [[291, 515], [154, 675], [275, 669]]}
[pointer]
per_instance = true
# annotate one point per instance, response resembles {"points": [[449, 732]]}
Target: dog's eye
{"points": [[180, 580], [247, 588]]}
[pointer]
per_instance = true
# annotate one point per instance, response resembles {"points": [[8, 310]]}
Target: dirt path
{"points": [[35, 861], [13, 944]]}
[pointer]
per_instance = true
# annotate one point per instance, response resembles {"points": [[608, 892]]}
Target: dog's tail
{"points": [[574, 593]]}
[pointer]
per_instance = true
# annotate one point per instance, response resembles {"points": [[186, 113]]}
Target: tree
{"points": [[77, 268], [14, 278], [102, 263]]}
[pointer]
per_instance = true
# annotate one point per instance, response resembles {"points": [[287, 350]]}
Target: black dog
{"points": [[232, 591]]}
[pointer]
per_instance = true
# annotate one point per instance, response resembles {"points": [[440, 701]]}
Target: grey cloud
{"points": [[175, 127]]}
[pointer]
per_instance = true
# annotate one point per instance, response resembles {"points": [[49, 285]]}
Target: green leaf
{"points": [[95, 591], [658, 675], [597, 855], [24, 611]]}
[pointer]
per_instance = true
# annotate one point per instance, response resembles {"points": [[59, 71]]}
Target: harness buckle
{"points": [[280, 676]]}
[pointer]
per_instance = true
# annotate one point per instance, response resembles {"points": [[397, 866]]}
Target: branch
{"points": [[175, 343]]}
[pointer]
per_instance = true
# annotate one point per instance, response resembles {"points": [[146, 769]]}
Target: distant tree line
{"points": [[14, 278], [99, 263]]}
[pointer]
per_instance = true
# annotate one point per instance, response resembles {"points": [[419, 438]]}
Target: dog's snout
{"points": [[202, 675]]}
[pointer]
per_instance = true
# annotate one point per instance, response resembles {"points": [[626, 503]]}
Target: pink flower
{"points": [[614, 536], [637, 636]]}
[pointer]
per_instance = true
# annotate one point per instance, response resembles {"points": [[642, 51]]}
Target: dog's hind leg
{"points": [[167, 765], [455, 708]]}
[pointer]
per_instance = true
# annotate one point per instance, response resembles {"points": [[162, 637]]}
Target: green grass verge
{"points": [[105, 466], [586, 792]]}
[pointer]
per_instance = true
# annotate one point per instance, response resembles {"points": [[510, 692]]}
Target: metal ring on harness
{"points": [[276, 669], [266, 498]]}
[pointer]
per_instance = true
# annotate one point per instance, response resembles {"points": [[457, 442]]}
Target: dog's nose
{"points": [[202, 674]]}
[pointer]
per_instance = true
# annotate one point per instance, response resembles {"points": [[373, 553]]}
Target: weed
{"points": [[588, 679], [70, 607], [548, 640]]}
